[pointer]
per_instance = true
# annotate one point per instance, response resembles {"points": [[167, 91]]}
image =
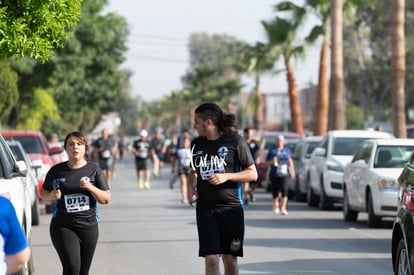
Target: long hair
{"points": [[226, 123]]}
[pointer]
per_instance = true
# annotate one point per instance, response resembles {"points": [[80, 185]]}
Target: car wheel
{"points": [[349, 214], [312, 199], [299, 196], [373, 220], [401, 265], [324, 202], [35, 213]]}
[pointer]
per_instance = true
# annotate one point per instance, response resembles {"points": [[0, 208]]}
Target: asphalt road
{"points": [[150, 232]]}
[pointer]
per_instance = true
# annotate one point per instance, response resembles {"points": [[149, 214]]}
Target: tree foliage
{"points": [[367, 59], [35, 28], [84, 75], [9, 94]]}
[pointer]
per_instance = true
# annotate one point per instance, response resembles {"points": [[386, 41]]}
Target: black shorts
{"points": [[141, 164], [279, 184], [220, 231], [106, 164], [184, 170]]}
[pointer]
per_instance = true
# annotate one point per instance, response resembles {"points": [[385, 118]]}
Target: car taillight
{"points": [[408, 200]]}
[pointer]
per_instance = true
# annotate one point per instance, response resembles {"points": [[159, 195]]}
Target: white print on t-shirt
{"points": [[76, 203], [209, 166]]}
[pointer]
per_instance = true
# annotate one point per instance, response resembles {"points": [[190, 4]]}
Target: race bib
{"points": [[106, 154], [76, 203], [283, 169]]}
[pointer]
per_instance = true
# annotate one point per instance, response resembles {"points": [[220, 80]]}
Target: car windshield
{"points": [[310, 147], [18, 154], [346, 146], [30, 144], [395, 156]]}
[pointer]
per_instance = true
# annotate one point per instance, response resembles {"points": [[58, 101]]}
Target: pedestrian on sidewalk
{"points": [[281, 168], [76, 186], [141, 150], [221, 162]]}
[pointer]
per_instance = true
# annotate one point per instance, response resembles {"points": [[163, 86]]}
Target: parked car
{"points": [[31, 180], [13, 186], [326, 165], [37, 148], [267, 141], [301, 156], [370, 179], [402, 244]]}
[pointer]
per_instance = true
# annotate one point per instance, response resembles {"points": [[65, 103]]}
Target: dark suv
{"points": [[403, 230]]}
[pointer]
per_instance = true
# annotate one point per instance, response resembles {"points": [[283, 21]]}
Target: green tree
{"points": [[367, 55], [259, 59], [35, 28], [84, 75], [9, 94]]}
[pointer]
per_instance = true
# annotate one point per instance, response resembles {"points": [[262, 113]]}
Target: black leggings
{"points": [[279, 185], [75, 247]]}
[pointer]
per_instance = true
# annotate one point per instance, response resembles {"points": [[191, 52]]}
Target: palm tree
{"points": [[281, 33], [319, 8], [398, 68], [259, 59]]}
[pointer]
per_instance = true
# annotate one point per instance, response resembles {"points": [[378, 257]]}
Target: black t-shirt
{"points": [[224, 155], [76, 207], [157, 144], [254, 147], [143, 148], [107, 145]]}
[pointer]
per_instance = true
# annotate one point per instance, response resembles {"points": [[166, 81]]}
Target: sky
{"points": [[159, 32]]}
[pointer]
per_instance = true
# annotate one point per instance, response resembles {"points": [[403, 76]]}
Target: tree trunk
{"points": [[398, 69], [259, 112], [322, 99], [295, 112], [337, 73]]}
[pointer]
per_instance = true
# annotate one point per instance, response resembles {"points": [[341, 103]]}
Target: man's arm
{"points": [[16, 261]]}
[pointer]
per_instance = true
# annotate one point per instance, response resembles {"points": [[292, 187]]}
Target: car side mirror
{"points": [[37, 164], [21, 167], [321, 152]]}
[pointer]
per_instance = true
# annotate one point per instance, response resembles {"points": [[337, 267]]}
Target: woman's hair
{"points": [[226, 123], [79, 137]]}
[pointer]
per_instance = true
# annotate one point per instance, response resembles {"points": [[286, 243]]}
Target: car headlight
{"points": [[385, 183], [335, 168]]}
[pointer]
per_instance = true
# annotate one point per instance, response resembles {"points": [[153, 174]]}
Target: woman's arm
{"points": [[101, 196]]}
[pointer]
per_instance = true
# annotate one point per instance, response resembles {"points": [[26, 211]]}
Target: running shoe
{"points": [[147, 185], [276, 210], [284, 212], [140, 185]]}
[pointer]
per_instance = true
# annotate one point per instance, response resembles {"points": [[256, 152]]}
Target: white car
{"points": [[31, 180], [370, 179], [301, 156], [327, 163], [13, 186]]}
